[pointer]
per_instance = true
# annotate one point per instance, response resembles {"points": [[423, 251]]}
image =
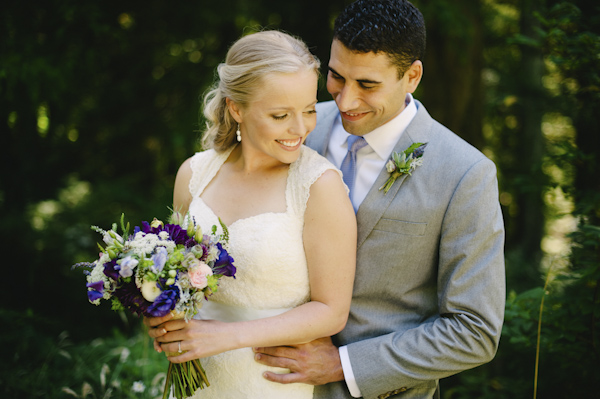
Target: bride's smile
{"points": [[291, 145]]}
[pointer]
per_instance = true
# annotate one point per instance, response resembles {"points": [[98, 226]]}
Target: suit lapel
{"points": [[376, 202]]}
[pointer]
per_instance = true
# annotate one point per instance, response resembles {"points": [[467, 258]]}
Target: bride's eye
{"points": [[279, 117]]}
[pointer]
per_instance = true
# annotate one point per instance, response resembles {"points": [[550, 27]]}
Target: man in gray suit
{"points": [[429, 292]]}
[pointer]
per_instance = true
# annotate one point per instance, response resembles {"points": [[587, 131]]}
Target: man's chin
{"points": [[356, 128]]}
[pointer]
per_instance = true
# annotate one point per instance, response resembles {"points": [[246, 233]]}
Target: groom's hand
{"points": [[316, 363]]}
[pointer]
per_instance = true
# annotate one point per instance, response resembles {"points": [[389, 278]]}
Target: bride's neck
{"points": [[250, 161]]}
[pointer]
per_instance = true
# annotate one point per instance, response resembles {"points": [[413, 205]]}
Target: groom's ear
{"points": [[234, 110], [414, 73]]}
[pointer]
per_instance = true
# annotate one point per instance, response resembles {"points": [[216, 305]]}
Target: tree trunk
{"points": [[530, 111], [451, 85]]}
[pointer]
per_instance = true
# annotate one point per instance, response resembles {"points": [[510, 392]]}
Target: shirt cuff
{"points": [[348, 374]]}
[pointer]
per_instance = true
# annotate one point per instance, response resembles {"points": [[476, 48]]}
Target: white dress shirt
{"points": [[373, 157], [369, 162]]}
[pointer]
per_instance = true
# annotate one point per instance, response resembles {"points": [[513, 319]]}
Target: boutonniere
{"points": [[403, 163]]}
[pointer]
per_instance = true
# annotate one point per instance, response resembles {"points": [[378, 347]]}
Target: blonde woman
{"points": [[291, 224]]}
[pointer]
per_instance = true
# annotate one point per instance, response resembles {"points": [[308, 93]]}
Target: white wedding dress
{"points": [[271, 278]]}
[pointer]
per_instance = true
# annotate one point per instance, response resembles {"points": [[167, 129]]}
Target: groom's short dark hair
{"points": [[395, 27]]}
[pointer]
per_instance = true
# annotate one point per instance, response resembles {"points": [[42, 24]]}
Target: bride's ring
{"points": [[180, 351]]}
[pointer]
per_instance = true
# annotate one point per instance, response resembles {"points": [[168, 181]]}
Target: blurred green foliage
{"points": [[99, 105], [50, 367]]}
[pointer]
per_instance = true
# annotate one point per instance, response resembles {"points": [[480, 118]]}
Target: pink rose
{"points": [[199, 275]]}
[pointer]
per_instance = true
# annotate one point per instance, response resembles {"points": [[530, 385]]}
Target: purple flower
{"points": [[131, 298], [164, 303], [111, 270], [177, 234], [224, 265], [97, 290], [190, 242], [146, 228], [418, 152]]}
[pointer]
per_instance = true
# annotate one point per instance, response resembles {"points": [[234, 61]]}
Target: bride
{"points": [[292, 228]]}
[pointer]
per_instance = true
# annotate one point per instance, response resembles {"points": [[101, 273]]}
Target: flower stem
{"points": [[168, 381]]}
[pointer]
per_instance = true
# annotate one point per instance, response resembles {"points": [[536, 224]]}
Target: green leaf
{"points": [[124, 228], [225, 235], [412, 148]]}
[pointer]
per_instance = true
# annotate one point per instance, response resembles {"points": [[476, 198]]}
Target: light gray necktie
{"points": [[348, 167]]}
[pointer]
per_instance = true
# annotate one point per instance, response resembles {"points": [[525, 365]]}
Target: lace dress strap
{"points": [[205, 166], [303, 173]]}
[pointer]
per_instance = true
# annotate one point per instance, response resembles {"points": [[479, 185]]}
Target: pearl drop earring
{"points": [[238, 133]]}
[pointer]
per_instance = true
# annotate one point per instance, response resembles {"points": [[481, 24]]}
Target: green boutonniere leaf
{"points": [[403, 163]]}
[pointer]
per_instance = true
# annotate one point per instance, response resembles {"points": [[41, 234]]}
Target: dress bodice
{"points": [[271, 277]]}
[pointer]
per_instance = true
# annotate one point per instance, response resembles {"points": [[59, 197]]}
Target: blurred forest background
{"points": [[99, 105]]}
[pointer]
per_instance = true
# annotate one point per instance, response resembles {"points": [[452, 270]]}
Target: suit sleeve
{"points": [[470, 292]]}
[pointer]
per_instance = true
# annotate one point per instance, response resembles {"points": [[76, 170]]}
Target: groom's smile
{"points": [[353, 116]]}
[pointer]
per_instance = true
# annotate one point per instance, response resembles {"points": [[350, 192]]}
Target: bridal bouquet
{"points": [[157, 269]]}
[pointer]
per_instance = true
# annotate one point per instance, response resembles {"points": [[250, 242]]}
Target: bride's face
{"points": [[282, 114]]}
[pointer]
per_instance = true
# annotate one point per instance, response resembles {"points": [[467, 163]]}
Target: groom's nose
{"points": [[347, 98]]}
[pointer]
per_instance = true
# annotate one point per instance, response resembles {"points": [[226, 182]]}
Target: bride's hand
{"points": [[196, 338], [156, 328]]}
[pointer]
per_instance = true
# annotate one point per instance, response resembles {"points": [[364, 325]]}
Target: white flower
{"points": [[163, 235], [184, 292], [125, 352], [416, 162], [144, 244], [390, 166], [138, 387], [127, 265], [97, 273], [150, 290], [104, 258], [110, 237]]}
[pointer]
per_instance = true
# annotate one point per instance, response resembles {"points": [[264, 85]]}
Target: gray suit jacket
{"points": [[429, 292]]}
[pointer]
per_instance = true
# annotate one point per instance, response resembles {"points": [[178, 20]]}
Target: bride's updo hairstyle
{"points": [[239, 78]]}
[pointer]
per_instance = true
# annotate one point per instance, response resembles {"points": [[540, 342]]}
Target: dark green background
{"points": [[99, 105]]}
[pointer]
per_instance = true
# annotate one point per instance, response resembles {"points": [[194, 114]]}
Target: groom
{"points": [[429, 292]]}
